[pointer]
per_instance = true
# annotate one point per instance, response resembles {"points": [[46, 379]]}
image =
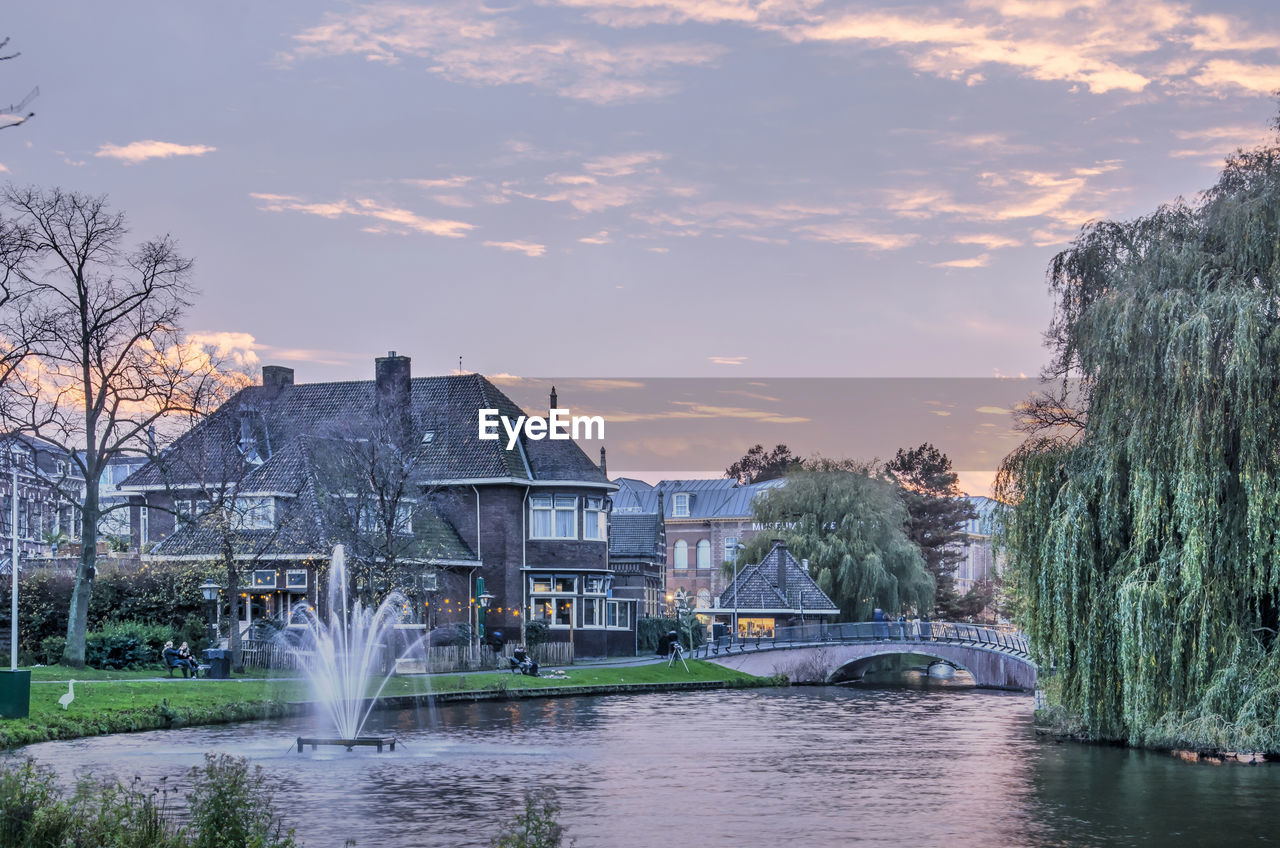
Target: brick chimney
{"points": [[604, 468], [780, 545], [555, 400], [275, 378], [391, 378]]}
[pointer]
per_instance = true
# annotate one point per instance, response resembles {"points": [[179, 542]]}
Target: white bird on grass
{"points": [[66, 699]]}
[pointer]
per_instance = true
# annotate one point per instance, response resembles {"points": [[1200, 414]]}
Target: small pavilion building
{"points": [[776, 592]]}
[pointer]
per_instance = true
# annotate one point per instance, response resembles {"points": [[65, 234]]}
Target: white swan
{"points": [[66, 699]]}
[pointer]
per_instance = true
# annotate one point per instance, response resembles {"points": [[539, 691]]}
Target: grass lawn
{"points": [[122, 701]]}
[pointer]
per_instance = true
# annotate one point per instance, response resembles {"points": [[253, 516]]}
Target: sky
{"points": [[634, 188]]}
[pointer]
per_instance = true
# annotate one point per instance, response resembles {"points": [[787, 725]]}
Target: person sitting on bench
{"points": [[184, 654], [173, 660]]}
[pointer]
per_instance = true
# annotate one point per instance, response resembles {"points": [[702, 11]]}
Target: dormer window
{"points": [[428, 437], [680, 505]]}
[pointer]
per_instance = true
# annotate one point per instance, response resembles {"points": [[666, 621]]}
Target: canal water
{"points": [[786, 767]]}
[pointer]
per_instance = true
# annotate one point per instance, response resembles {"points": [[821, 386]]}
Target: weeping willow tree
{"points": [[849, 524], [1145, 545]]}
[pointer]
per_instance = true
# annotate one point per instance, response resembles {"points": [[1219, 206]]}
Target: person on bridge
{"points": [[926, 629], [902, 626], [881, 627]]}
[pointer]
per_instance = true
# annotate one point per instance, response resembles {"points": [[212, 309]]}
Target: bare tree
{"points": [[104, 357], [16, 114], [371, 498]]}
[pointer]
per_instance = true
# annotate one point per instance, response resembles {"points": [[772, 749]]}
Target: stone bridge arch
{"points": [[817, 663]]}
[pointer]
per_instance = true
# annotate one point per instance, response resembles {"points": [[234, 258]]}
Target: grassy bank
{"points": [[122, 702]]}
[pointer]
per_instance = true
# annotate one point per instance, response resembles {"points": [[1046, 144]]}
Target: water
{"points": [[793, 767]]}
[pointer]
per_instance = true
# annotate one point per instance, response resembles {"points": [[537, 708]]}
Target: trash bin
{"points": [[15, 693], [219, 660]]}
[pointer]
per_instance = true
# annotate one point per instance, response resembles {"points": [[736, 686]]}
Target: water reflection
{"points": [[824, 766]]}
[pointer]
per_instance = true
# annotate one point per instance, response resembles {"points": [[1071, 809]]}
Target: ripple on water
{"points": [[812, 766]]}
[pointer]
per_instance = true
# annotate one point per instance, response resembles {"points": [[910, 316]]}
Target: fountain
{"points": [[344, 659]]}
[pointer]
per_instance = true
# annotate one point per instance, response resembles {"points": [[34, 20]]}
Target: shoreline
{"points": [[19, 733]]}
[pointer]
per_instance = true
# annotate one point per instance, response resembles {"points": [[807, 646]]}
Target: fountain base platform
{"points": [[350, 744]]}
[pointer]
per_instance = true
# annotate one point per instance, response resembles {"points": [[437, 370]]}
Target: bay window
{"points": [[593, 519], [553, 517]]}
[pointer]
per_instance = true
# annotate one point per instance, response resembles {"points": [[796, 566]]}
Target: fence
{"points": [[998, 637], [264, 653]]}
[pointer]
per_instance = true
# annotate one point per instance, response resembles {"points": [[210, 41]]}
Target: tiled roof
{"points": [[635, 536], [757, 588], [447, 407], [712, 497]]}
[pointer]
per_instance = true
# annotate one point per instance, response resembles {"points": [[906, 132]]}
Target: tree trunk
{"points": [[78, 620], [233, 593]]}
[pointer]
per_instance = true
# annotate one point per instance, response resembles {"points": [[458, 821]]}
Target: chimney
{"points": [[275, 378], [604, 468], [555, 401], [391, 380], [780, 545]]}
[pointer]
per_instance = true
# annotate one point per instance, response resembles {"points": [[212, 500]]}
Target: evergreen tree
{"points": [[936, 515], [758, 465], [1145, 551]]}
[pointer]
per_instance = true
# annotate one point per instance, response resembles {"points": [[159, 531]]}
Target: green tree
{"points": [[1145, 548], [936, 515], [758, 465], [848, 522]]}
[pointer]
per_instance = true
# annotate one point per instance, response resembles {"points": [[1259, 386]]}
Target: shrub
{"points": [[536, 826], [229, 806], [126, 644], [535, 633], [52, 649], [232, 807]]}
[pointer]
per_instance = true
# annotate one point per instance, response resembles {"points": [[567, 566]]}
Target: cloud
{"points": [[471, 43], [601, 237], [237, 348], [991, 241], [622, 164], [852, 232], [140, 151], [980, 261], [727, 360], [390, 219], [1220, 74], [993, 410], [446, 182], [528, 248]]}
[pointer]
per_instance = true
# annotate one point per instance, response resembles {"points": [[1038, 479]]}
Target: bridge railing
{"points": [[999, 637]]}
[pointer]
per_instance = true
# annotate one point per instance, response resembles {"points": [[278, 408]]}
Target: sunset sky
{"points": [[609, 188]]}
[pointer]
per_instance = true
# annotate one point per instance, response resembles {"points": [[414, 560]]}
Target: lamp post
{"points": [[210, 591], [13, 571], [483, 599], [736, 559]]}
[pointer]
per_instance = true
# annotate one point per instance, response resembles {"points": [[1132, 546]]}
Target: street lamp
{"points": [[739, 548], [210, 591]]}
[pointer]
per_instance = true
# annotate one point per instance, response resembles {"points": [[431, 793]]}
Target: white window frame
{"points": [[370, 519], [594, 519], [618, 615], [552, 505], [680, 554], [680, 505], [704, 554], [256, 513], [144, 525], [730, 548], [596, 605], [588, 580], [254, 584], [292, 573]]}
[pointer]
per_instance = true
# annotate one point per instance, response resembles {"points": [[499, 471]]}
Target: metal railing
{"points": [[997, 637]]}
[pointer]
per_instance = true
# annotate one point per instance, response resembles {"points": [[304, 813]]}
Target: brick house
{"points": [[776, 592], [532, 520], [638, 558], [704, 520]]}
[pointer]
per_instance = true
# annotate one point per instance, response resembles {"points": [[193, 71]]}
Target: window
{"points": [[264, 579], [591, 612], [593, 584], [731, 549], [144, 525], [680, 505], [704, 599], [371, 519], [541, 610], [566, 583], [704, 554], [257, 513], [553, 517], [189, 510], [540, 583], [296, 579], [619, 614], [564, 613], [681, 554], [594, 519]]}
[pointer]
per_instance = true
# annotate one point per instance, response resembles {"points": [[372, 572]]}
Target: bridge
{"points": [[997, 656]]}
